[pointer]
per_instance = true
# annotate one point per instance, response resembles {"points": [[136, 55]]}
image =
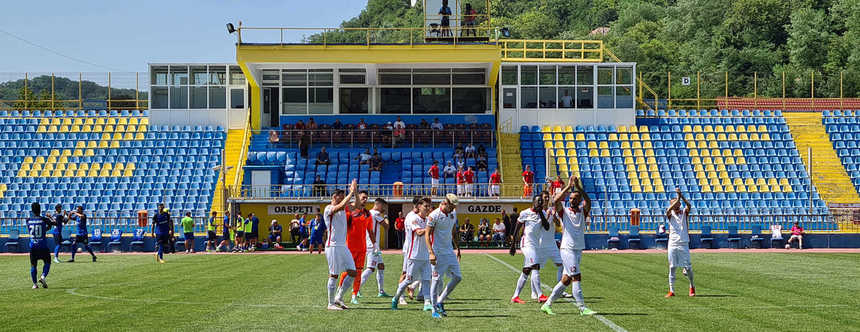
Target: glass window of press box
{"points": [[198, 86], [567, 86]]}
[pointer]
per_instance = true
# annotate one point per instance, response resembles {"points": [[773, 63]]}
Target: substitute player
{"points": [[378, 223], [358, 219], [572, 243], [82, 237], [336, 253], [60, 219], [679, 241], [317, 234], [530, 222], [443, 239], [418, 266], [225, 233], [162, 227], [211, 227], [37, 227]]}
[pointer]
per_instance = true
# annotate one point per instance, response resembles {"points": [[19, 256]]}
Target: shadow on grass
{"points": [[716, 295], [481, 316], [622, 314]]}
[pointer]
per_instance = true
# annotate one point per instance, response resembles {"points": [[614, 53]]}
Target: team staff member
{"points": [[239, 233], [162, 227], [317, 234], [225, 232], [210, 232], [188, 231], [275, 231]]}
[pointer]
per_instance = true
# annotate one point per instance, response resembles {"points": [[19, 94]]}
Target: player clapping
{"points": [[336, 253], [679, 241], [530, 222]]}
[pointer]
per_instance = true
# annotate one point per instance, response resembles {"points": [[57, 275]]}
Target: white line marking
{"points": [[602, 319]]}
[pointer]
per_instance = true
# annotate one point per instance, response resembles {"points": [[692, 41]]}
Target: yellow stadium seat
{"points": [[73, 167], [694, 153], [108, 129], [647, 145], [78, 153], [775, 188], [138, 137], [754, 137], [34, 173], [75, 129], [633, 129], [648, 189], [702, 145], [634, 137], [122, 121], [625, 145], [643, 129], [721, 137], [546, 129], [129, 166], [593, 153], [688, 128], [651, 160], [719, 129], [89, 153], [637, 145], [622, 129], [740, 160], [68, 121], [567, 137], [710, 137], [559, 145], [568, 129], [765, 137], [646, 137], [730, 160], [91, 145], [704, 152], [547, 144], [57, 173], [120, 128], [547, 137], [638, 153], [733, 137], [691, 144], [741, 129], [580, 137], [556, 129], [603, 145], [116, 173], [110, 121], [79, 121], [626, 153], [623, 137], [561, 161], [568, 145], [708, 129], [697, 129], [604, 153], [571, 152], [738, 153], [635, 188], [592, 145], [144, 122], [613, 137]]}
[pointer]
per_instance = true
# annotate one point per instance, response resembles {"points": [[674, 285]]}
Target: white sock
{"points": [[556, 293], [414, 285], [364, 276], [521, 282], [577, 294], [536, 283], [449, 288], [332, 285], [690, 276], [380, 280], [672, 279], [344, 288], [435, 284]]}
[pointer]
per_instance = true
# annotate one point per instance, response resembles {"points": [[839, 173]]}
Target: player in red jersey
{"points": [[434, 177], [495, 183]]}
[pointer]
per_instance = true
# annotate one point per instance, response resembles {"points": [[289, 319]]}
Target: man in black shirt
{"points": [[319, 187], [322, 157]]}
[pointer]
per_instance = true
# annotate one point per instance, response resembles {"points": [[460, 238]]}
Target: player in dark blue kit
{"points": [[82, 237], [38, 226], [162, 227], [60, 219]]}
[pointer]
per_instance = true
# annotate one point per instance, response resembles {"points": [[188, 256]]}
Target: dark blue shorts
{"points": [[42, 254], [82, 239], [163, 239], [189, 236], [211, 235], [316, 240], [58, 239]]}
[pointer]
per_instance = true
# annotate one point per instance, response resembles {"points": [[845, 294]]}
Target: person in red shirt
{"points": [[434, 177], [461, 181], [357, 219], [400, 228], [796, 235], [470, 181], [495, 183], [528, 181], [557, 185]]}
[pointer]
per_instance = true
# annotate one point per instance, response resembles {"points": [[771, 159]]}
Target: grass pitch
{"points": [[737, 291]]}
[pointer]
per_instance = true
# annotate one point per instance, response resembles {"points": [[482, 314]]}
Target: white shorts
{"points": [[372, 260], [405, 260], [495, 189], [434, 183], [793, 236], [469, 188], [461, 189], [446, 264], [679, 256], [545, 254], [571, 259], [419, 269], [339, 260], [530, 256]]}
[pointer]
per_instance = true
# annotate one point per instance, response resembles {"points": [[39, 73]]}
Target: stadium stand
{"points": [[843, 128], [114, 163], [730, 163]]}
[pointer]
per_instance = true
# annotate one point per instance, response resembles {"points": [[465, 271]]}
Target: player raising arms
{"points": [[530, 222], [82, 237], [37, 227], [442, 227], [60, 219], [378, 222], [679, 241], [418, 266], [336, 253], [573, 223], [357, 219], [548, 249]]}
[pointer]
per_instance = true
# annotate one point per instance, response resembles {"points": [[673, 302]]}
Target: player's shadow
{"points": [[622, 314], [450, 300], [471, 309], [481, 316], [716, 295]]}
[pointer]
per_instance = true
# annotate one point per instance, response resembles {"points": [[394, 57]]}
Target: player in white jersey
{"points": [[406, 241], [374, 255], [442, 227], [679, 241], [548, 249], [530, 222], [573, 223], [418, 266], [336, 253]]}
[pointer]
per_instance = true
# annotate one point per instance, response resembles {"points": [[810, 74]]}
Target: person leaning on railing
{"points": [[319, 187]]}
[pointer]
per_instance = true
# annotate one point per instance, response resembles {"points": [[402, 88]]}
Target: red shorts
{"points": [[358, 256]]}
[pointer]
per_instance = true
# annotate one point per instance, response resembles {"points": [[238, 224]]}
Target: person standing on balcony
{"points": [[461, 181], [399, 129], [434, 177], [528, 181], [445, 23], [449, 170], [495, 184], [469, 21], [470, 181]]}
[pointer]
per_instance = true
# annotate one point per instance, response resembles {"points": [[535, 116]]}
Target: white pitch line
{"points": [[602, 319]]}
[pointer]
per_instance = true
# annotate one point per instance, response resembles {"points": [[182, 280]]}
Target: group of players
{"points": [[39, 225]]}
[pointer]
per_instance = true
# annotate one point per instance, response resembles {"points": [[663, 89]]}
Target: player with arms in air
{"points": [[548, 249], [358, 221], [573, 223], [60, 219], [442, 227], [336, 253], [37, 227], [83, 236], [530, 222], [679, 241], [378, 223]]}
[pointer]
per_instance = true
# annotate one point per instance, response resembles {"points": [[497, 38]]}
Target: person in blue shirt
{"points": [[225, 233], [252, 236], [37, 227], [303, 234], [60, 219], [82, 236], [317, 234], [445, 23], [162, 227]]}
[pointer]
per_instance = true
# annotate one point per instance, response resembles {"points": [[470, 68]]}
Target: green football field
{"points": [[737, 291]]}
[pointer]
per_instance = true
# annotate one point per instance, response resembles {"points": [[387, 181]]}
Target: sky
{"points": [[124, 36]]}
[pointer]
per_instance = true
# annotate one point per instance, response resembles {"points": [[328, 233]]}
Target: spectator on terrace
{"points": [[469, 21], [399, 229], [376, 162], [470, 151], [470, 181], [299, 125], [566, 100], [495, 185], [484, 232], [424, 124], [445, 23], [364, 157], [528, 181], [319, 187], [399, 129], [499, 233], [482, 164], [304, 144], [461, 181], [458, 151], [449, 170], [482, 151], [556, 185], [273, 138], [337, 124], [311, 124], [437, 125], [361, 124], [322, 157], [796, 235], [434, 177], [389, 126]]}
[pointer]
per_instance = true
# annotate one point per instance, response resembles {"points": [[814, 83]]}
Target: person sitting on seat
{"points": [[796, 235], [322, 157], [471, 151], [364, 157], [273, 138], [376, 162], [499, 233], [436, 125], [484, 233]]}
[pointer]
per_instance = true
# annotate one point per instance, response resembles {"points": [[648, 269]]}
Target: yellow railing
{"points": [[240, 163], [528, 50], [368, 36]]}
